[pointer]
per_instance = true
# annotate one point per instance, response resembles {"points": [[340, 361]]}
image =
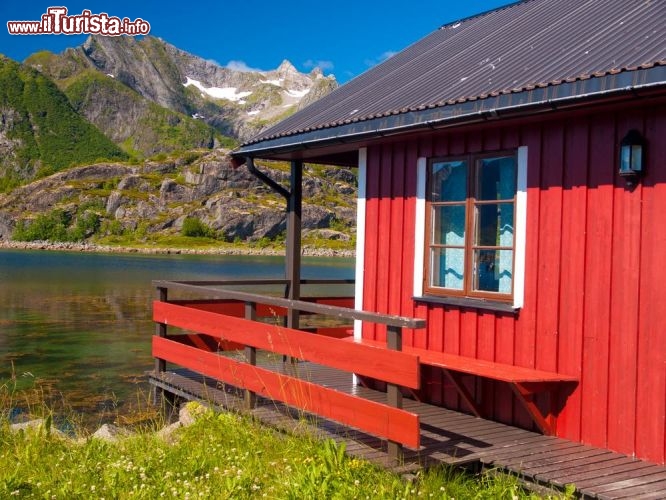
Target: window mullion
{"points": [[470, 226]]}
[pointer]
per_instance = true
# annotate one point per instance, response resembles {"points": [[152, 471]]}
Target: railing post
{"points": [[160, 364], [393, 394], [160, 331], [250, 354]]}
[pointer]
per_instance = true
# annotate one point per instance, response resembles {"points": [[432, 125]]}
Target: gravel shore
{"points": [[90, 247]]}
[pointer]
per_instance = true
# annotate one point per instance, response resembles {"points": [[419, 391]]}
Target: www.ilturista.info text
{"points": [[56, 21]]}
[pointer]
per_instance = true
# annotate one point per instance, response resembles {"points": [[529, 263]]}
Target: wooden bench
{"points": [[525, 383]]}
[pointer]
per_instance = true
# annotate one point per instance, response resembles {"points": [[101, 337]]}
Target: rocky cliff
{"points": [[138, 203]]}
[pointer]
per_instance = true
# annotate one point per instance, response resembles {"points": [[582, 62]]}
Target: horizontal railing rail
{"points": [[300, 305], [388, 365], [250, 282]]}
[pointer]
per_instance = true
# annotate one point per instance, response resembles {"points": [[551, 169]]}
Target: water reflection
{"points": [[79, 324]]}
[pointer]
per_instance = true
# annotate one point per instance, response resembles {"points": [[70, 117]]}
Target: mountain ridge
{"points": [[235, 103], [170, 118]]}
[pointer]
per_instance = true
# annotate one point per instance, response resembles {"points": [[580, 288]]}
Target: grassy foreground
{"points": [[222, 455]]}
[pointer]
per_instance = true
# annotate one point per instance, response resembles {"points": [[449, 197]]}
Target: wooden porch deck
{"points": [[446, 437]]}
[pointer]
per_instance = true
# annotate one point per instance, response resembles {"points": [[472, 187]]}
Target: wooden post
{"points": [[160, 364], [293, 264], [293, 257], [161, 331], [393, 394], [250, 354]]}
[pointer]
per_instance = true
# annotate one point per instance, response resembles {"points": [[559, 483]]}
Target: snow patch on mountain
{"points": [[229, 93], [298, 93], [277, 83]]}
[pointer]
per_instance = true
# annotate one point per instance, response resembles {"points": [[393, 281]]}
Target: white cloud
{"points": [[240, 66], [322, 65], [382, 57]]}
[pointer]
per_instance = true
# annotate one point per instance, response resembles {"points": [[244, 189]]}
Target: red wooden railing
{"points": [[228, 319]]}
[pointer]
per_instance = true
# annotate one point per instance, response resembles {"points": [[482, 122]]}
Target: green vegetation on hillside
{"points": [[59, 67], [46, 133], [59, 225], [142, 128]]}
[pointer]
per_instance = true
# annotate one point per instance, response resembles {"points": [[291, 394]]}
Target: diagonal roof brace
{"points": [[266, 179]]}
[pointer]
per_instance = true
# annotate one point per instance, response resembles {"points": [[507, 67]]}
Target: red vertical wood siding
{"points": [[595, 273]]}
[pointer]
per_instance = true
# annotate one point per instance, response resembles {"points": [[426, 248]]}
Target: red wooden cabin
{"points": [[512, 193]]}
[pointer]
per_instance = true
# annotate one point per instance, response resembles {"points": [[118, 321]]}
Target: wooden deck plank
{"points": [[458, 439], [632, 476], [541, 446], [565, 461], [652, 495], [581, 466], [657, 487], [489, 458], [563, 453], [611, 489], [475, 450], [617, 466]]}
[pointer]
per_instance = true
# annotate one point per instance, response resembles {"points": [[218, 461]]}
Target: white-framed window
{"points": [[471, 216]]}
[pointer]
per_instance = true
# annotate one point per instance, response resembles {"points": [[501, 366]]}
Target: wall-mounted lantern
{"points": [[632, 157]]}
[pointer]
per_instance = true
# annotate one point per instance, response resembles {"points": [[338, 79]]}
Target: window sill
{"points": [[488, 305]]}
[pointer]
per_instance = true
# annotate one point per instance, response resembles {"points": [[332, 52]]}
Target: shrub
{"points": [[193, 227], [50, 226], [112, 227], [87, 224], [58, 225]]}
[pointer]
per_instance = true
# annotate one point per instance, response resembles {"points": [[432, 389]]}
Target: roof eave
{"points": [[536, 100]]}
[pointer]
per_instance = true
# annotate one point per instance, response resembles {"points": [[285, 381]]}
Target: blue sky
{"points": [[345, 37]]}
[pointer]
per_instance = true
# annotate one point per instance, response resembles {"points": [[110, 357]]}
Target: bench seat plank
{"points": [[489, 369], [524, 382]]}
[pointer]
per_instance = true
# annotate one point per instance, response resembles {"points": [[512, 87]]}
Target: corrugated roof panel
{"points": [[525, 45]]}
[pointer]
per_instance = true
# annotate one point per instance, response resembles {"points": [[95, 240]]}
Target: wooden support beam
{"points": [[525, 396], [456, 381], [293, 263]]}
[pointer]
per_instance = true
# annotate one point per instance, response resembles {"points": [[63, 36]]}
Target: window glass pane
{"points": [[496, 178], [448, 181], [448, 225], [447, 267], [494, 225], [493, 270]]}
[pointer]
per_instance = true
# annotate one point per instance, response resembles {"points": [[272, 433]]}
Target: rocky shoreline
{"points": [[187, 415], [307, 250]]}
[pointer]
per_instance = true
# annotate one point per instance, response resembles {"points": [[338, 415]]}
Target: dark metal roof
{"points": [[525, 53]]}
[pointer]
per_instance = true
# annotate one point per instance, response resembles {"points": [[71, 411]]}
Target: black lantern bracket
{"points": [[632, 157]]}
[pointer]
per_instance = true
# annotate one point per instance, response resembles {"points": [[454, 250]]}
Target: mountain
{"points": [[40, 132], [125, 141], [129, 75]]}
